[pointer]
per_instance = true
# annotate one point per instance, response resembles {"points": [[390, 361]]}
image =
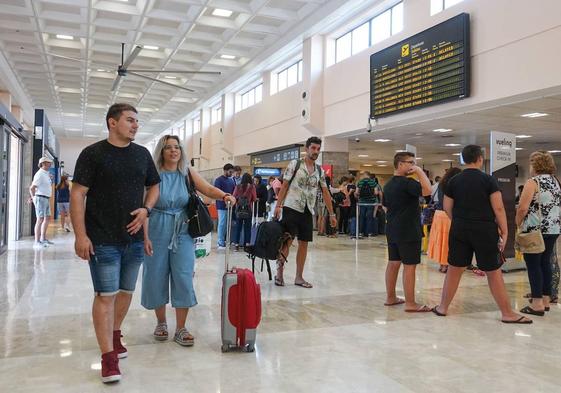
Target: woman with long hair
{"points": [[438, 238], [170, 250], [245, 195], [539, 210], [63, 202]]}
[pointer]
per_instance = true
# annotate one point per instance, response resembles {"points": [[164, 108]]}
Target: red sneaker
{"points": [[110, 367], [118, 346]]}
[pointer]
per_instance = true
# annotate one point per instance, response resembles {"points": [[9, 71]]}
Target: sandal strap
{"points": [[161, 329], [184, 334]]}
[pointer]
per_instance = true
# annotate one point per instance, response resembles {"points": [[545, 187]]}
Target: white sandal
{"points": [[161, 332]]}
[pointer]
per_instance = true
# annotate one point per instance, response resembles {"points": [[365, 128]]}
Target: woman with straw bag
{"points": [[539, 224]]}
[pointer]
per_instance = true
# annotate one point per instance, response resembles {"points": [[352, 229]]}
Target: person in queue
{"points": [[539, 210]]}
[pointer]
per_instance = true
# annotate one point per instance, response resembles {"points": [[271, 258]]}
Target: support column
{"points": [[311, 112], [335, 151], [6, 99], [228, 102]]}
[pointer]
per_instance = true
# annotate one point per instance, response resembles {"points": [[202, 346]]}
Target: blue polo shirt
{"points": [[226, 184]]}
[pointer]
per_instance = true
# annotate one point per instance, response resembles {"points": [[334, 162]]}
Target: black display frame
{"points": [[461, 22]]}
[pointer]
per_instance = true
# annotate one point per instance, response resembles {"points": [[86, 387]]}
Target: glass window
{"points": [[436, 6], [251, 97], [300, 70], [196, 125], [450, 3], [282, 80], [343, 47], [360, 38], [292, 77], [259, 93], [381, 27], [244, 101], [216, 115], [397, 18]]}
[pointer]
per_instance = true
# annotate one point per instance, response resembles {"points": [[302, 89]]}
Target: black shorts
{"points": [[298, 224], [409, 253], [479, 237]]}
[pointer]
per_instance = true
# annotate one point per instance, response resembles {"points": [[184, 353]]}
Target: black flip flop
{"points": [[531, 311], [434, 310], [520, 321]]}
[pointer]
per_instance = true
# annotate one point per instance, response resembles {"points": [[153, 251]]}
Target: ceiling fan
{"points": [[123, 70]]}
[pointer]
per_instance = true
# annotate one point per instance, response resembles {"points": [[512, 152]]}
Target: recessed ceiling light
{"points": [[523, 136], [366, 164], [400, 151], [170, 77], [452, 144], [363, 155], [64, 37], [151, 47], [418, 158], [554, 151], [534, 114], [228, 57], [381, 162], [442, 130], [222, 12], [447, 160], [101, 70], [456, 154], [382, 165], [419, 134], [382, 140]]}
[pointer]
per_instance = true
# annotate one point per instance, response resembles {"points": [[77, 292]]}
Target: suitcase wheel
{"points": [[225, 348], [250, 348]]}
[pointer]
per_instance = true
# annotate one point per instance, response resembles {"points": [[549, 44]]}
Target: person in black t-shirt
{"points": [[262, 196], [113, 174], [474, 203], [403, 228]]}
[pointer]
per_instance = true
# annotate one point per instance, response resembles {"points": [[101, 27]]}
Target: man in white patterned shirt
{"points": [[296, 201]]}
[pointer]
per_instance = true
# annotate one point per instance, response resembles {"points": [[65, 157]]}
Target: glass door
{"points": [[4, 170]]}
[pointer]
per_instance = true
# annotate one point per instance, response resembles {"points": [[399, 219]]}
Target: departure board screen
{"points": [[430, 67]]}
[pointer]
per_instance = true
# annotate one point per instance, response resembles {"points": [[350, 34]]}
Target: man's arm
{"points": [[152, 195], [82, 245], [500, 216], [448, 205], [329, 205], [281, 197], [424, 180]]}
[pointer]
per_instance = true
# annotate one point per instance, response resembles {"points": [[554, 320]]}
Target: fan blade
{"points": [[49, 54], [179, 72], [132, 56], [161, 81], [116, 83]]}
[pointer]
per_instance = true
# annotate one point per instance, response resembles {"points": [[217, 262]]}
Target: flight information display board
{"points": [[428, 68]]}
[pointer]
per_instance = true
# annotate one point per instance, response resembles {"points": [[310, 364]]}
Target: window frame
{"points": [[299, 66], [369, 22], [246, 95]]}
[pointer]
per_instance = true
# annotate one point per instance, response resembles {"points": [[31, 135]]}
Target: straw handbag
{"points": [[531, 242]]}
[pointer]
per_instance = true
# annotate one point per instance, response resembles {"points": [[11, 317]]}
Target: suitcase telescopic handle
{"points": [[228, 234]]}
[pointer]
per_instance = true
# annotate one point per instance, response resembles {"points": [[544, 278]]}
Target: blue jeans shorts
{"points": [[114, 267], [42, 206]]}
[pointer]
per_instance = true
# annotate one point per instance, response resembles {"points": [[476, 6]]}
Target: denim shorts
{"points": [[42, 206], [114, 267], [63, 207]]}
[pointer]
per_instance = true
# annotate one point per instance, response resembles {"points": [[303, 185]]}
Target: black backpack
{"points": [[365, 190], [243, 210], [338, 199], [269, 240]]}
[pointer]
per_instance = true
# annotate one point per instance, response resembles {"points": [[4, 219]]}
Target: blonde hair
{"points": [[542, 162], [159, 154]]}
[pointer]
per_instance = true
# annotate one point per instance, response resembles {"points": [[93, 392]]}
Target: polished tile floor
{"points": [[336, 337]]}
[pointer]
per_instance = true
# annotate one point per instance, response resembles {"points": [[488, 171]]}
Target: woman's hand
{"points": [[148, 249]]}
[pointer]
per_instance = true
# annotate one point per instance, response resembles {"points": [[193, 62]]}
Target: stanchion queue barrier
{"points": [[376, 205]]}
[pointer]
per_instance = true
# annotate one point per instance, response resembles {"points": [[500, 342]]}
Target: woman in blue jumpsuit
{"points": [[170, 262]]}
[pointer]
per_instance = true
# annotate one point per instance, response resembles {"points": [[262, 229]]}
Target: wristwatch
{"points": [[226, 195], [148, 210]]}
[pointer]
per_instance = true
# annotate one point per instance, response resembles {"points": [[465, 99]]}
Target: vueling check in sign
{"points": [[405, 50]]}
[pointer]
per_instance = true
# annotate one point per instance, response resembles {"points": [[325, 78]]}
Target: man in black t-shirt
{"points": [[113, 174], [474, 203], [403, 228]]}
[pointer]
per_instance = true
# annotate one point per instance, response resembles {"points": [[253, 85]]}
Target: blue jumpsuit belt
{"points": [[178, 218]]}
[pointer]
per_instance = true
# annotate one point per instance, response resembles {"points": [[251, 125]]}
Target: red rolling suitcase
{"points": [[241, 304]]}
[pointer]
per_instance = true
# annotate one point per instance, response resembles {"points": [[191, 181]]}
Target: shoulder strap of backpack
{"points": [[298, 163]]}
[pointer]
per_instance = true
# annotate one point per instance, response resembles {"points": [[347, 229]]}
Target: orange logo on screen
{"points": [[405, 50]]}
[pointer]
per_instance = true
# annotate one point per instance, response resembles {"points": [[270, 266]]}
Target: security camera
{"points": [[357, 140]]}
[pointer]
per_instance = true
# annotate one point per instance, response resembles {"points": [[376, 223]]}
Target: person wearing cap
{"points": [[40, 191]]}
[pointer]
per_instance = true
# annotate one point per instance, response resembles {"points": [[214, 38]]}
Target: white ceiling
{"points": [[76, 94], [466, 128]]}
